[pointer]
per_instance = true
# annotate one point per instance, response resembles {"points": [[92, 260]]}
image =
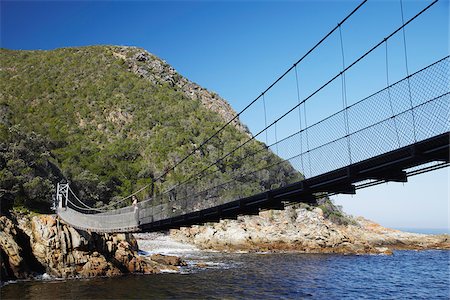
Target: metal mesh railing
{"points": [[377, 124], [382, 122], [385, 121], [113, 221], [406, 112]]}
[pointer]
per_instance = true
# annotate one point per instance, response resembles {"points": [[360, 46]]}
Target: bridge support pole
{"points": [[62, 194]]}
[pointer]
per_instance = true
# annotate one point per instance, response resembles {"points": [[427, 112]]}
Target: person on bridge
{"points": [[136, 209]]}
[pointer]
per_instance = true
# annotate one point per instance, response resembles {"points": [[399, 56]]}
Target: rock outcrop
{"points": [[158, 71], [12, 259], [34, 245], [304, 229]]}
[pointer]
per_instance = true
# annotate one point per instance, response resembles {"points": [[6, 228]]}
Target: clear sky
{"points": [[237, 48]]}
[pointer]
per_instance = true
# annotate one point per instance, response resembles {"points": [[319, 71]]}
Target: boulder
{"points": [[168, 260]]}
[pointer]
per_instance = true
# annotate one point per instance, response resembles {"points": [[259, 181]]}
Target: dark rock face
{"points": [[13, 262], [62, 251]]}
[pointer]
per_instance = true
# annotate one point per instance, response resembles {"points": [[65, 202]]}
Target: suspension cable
{"points": [[307, 136], [302, 102], [299, 119], [342, 111], [389, 94], [344, 97], [407, 70], [265, 118], [193, 151], [234, 178], [270, 87], [344, 91], [314, 93], [276, 138], [78, 199], [76, 206]]}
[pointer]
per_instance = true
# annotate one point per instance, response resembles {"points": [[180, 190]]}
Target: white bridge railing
{"points": [[118, 220]]}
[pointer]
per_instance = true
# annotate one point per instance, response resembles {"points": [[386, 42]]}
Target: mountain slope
{"points": [[116, 118]]}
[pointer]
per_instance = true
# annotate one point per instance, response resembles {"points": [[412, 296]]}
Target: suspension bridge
{"points": [[400, 131]]}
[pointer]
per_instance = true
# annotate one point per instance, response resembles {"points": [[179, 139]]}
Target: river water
{"points": [[406, 274]]}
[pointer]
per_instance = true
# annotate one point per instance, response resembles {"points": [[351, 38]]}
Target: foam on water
{"points": [[168, 271], [151, 243], [46, 276], [196, 259]]}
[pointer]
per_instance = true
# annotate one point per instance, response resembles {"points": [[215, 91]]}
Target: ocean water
{"points": [[404, 275], [425, 230]]}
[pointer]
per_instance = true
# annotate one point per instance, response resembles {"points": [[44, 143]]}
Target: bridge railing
{"points": [[411, 110], [114, 221]]}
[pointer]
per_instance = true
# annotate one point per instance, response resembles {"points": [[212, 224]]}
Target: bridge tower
{"points": [[62, 194]]}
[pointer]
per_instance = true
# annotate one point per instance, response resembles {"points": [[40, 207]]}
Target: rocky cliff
{"points": [[31, 246], [159, 72], [304, 229]]}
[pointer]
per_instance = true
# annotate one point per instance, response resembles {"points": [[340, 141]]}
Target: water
{"points": [[426, 230], [406, 274]]}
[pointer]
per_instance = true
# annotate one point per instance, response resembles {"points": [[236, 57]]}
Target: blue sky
{"points": [[237, 48]]}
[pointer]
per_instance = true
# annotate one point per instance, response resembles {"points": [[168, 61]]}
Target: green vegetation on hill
{"points": [[27, 170], [108, 129]]}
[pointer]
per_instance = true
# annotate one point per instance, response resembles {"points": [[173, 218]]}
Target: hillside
{"points": [[112, 119]]}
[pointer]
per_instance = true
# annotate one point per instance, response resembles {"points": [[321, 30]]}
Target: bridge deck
{"points": [[389, 166], [377, 138]]}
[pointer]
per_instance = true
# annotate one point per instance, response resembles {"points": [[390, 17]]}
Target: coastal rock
{"points": [[11, 253], [304, 229], [396, 239], [63, 251], [168, 260]]}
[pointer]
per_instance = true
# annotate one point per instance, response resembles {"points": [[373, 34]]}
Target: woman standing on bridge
{"points": [[136, 209]]}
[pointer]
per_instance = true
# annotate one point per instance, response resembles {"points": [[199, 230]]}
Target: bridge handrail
{"points": [[310, 96]]}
